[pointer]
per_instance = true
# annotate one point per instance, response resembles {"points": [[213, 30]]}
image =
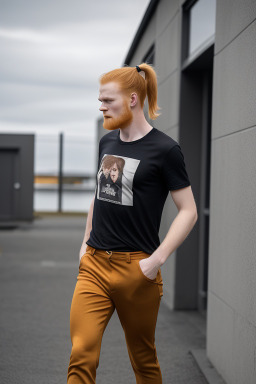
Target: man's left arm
{"points": [[180, 228]]}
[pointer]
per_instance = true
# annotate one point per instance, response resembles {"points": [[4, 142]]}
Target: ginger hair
{"points": [[130, 80]]}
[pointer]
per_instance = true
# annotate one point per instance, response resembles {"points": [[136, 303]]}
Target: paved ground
{"points": [[38, 270]]}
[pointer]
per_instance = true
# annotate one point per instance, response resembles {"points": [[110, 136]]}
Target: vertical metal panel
{"points": [[60, 179]]}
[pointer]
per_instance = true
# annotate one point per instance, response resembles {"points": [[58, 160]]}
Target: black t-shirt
{"points": [[132, 185]]}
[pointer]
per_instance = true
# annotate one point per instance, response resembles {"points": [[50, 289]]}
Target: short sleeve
{"points": [[96, 173], [99, 153], [174, 169]]}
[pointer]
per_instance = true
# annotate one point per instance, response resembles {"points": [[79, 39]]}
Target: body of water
{"points": [[72, 201], [79, 157]]}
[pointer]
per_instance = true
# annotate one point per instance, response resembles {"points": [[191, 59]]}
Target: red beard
{"points": [[112, 123]]}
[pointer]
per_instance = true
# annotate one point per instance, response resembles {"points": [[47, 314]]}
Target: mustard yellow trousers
{"points": [[106, 281]]}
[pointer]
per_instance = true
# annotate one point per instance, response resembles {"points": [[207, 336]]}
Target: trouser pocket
{"points": [[160, 287], [157, 280]]}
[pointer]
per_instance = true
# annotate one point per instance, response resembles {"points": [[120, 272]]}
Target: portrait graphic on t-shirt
{"points": [[115, 179]]}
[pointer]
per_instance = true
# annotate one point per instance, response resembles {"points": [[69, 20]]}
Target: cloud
{"points": [[52, 54], [56, 57], [38, 15]]}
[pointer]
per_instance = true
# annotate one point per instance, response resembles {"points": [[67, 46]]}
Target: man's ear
{"points": [[133, 99]]}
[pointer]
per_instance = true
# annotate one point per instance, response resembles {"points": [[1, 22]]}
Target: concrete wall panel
{"points": [[166, 11], [234, 85], [168, 100], [232, 17], [145, 43], [169, 213], [232, 264], [220, 333], [167, 50], [231, 341]]}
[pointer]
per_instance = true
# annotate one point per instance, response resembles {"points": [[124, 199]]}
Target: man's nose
{"points": [[103, 108]]}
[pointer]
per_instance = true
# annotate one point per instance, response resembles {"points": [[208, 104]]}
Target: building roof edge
{"points": [[143, 25]]}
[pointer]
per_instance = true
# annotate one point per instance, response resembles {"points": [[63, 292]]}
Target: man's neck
{"points": [[135, 131]]}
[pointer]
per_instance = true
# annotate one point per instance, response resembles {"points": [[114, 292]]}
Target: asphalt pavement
{"points": [[38, 271]]}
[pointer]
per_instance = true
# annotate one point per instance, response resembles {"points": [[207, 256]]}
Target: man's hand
{"points": [[150, 266]]}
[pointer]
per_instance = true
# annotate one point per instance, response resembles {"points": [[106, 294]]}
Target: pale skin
{"points": [[183, 198]]}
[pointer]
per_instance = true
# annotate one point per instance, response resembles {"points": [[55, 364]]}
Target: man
{"points": [[121, 255]]}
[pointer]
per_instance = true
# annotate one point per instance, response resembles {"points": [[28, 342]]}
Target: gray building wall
{"points": [[231, 316], [21, 147]]}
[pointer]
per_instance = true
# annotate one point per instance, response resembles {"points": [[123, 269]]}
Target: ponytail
{"points": [[151, 89]]}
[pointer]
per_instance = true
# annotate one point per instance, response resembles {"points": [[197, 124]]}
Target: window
{"points": [[202, 24], [198, 27]]}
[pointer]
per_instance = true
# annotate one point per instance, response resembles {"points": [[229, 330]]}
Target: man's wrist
{"points": [[157, 258], [160, 255]]}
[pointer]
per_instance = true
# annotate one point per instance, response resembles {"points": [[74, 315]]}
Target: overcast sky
{"points": [[52, 54]]}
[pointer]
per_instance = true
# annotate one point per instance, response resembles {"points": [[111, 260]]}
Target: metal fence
{"points": [[64, 175]]}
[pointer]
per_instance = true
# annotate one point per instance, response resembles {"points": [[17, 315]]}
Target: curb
{"points": [[205, 366]]}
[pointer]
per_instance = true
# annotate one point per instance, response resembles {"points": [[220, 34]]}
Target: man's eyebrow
{"points": [[107, 98]]}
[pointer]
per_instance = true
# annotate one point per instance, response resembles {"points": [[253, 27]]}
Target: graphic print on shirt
{"points": [[115, 179]]}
